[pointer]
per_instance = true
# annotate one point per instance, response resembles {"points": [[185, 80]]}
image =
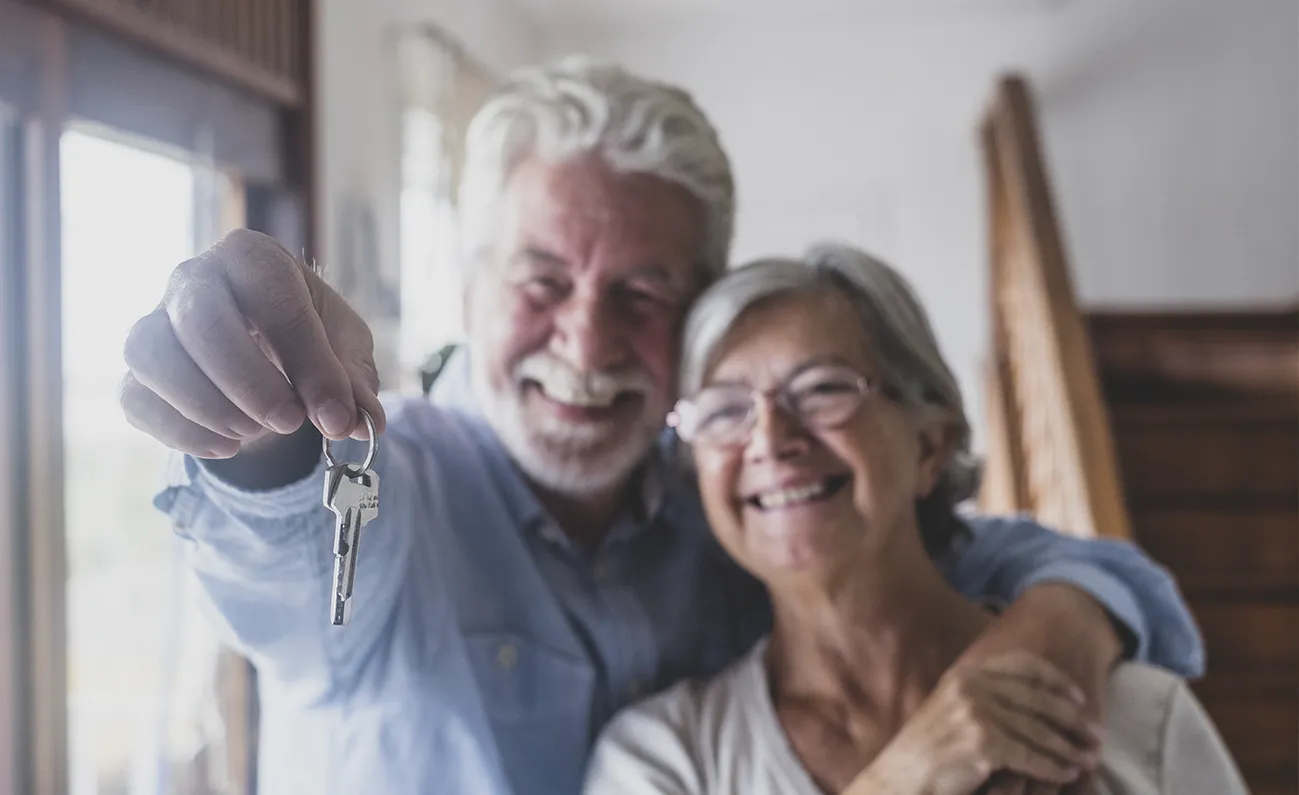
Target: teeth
{"points": [[576, 395], [781, 498]]}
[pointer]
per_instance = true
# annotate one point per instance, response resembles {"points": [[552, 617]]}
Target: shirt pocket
{"points": [[538, 701]]}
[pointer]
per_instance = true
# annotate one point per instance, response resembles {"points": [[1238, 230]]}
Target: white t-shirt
{"points": [[722, 737]]}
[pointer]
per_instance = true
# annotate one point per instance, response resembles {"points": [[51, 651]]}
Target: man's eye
{"points": [[543, 288], [645, 298], [648, 300]]}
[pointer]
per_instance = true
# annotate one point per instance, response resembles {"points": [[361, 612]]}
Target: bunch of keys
{"points": [[352, 493]]}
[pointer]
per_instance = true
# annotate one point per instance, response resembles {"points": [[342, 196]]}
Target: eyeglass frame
{"points": [[780, 396]]}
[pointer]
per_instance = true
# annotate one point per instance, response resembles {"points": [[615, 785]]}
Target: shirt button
{"points": [[507, 656], [634, 688], [553, 534]]}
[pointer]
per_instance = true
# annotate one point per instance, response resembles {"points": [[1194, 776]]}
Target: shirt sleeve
{"points": [[1006, 556], [264, 563]]}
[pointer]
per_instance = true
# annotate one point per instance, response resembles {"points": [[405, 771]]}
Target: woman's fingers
{"points": [[1035, 671], [1006, 752], [1051, 709], [1003, 783], [1032, 731]]}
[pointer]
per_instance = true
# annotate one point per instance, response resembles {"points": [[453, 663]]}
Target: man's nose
{"points": [[588, 335], [776, 434]]}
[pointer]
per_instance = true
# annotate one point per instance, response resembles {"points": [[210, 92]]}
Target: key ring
{"points": [[369, 454]]}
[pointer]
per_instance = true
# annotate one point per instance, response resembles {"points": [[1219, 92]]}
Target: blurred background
{"points": [[1098, 201]]}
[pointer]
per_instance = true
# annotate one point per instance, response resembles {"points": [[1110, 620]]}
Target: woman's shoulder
{"points": [[1138, 689], [1159, 739], [667, 742]]}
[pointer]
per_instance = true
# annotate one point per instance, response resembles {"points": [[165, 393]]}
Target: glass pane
{"points": [[142, 668], [431, 292]]}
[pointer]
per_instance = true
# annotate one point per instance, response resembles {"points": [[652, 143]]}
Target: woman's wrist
{"points": [[896, 771]]}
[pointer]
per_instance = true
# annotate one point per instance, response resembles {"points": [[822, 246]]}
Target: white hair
{"points": [[894, 326], [579, 106]]}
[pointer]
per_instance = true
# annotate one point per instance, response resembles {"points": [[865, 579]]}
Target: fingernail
{"points": [[1077, 695], [246, 429], [334, 418], [1073, 773], [223, 450], [287, 417]]}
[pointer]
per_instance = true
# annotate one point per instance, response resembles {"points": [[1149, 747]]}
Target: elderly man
{"points": [[538, 561]]}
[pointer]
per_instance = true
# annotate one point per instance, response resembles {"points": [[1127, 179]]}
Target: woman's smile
{"points": [[797, 493]]}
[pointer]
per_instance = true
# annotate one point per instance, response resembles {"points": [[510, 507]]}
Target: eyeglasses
{"points": [[820, 398]]}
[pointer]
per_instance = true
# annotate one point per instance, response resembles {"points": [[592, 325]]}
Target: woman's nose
{"points": [[776, 435]]}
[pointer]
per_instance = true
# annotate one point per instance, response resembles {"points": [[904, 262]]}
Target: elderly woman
{"points": [[832, 449]]}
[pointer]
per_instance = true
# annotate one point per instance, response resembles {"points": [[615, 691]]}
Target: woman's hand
{"points": [[1013, 712]]}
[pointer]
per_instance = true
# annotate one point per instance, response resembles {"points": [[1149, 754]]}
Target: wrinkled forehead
{"points": [[780, 334], [581, 205]]}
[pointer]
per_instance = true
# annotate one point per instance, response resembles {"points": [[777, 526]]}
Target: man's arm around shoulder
{"points": [[1108, 591]]}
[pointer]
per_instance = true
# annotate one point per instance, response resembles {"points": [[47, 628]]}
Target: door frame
{"points": [[31, 423]]}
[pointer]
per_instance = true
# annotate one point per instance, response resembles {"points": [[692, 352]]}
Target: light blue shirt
{"points": [[485, 651]]}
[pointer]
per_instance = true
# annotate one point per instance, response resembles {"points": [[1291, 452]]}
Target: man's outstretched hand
{"points": [[248, 342]]}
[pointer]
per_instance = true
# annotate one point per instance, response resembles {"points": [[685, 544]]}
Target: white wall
{"points": [[1171, 128], [358, 159]]}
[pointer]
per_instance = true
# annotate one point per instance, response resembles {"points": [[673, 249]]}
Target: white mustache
{"points": [[563, 383]]}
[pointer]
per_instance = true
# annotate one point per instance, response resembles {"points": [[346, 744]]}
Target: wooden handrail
{"points": [[1051, 450]]}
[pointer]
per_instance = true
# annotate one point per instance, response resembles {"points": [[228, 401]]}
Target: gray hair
{"points": [[893, 323], [579, 106]]}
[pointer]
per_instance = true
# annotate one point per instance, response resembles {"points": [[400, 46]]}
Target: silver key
{"points": [[353, 495]]}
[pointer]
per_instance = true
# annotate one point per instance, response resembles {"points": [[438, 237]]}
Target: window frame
{"points": [[56, 71]]}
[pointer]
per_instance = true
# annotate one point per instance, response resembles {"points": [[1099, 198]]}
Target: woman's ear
{"points": [[938, 441]]}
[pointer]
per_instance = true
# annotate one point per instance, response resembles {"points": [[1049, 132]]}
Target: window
{"points": [[443, 89], [115, 165], [430, 274], [144, 711]]}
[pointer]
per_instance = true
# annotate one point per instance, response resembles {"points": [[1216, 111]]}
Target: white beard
{"points": [[571, 458]]}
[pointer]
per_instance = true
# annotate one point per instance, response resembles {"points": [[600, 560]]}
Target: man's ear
{"points": [[938, 440]]}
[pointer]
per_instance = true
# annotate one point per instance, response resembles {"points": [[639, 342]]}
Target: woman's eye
{"points": [[827, 387], [727, 412]]}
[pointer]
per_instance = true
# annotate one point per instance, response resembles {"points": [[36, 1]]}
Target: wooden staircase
{"points": [[1205, 412], [1178, 430]]}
